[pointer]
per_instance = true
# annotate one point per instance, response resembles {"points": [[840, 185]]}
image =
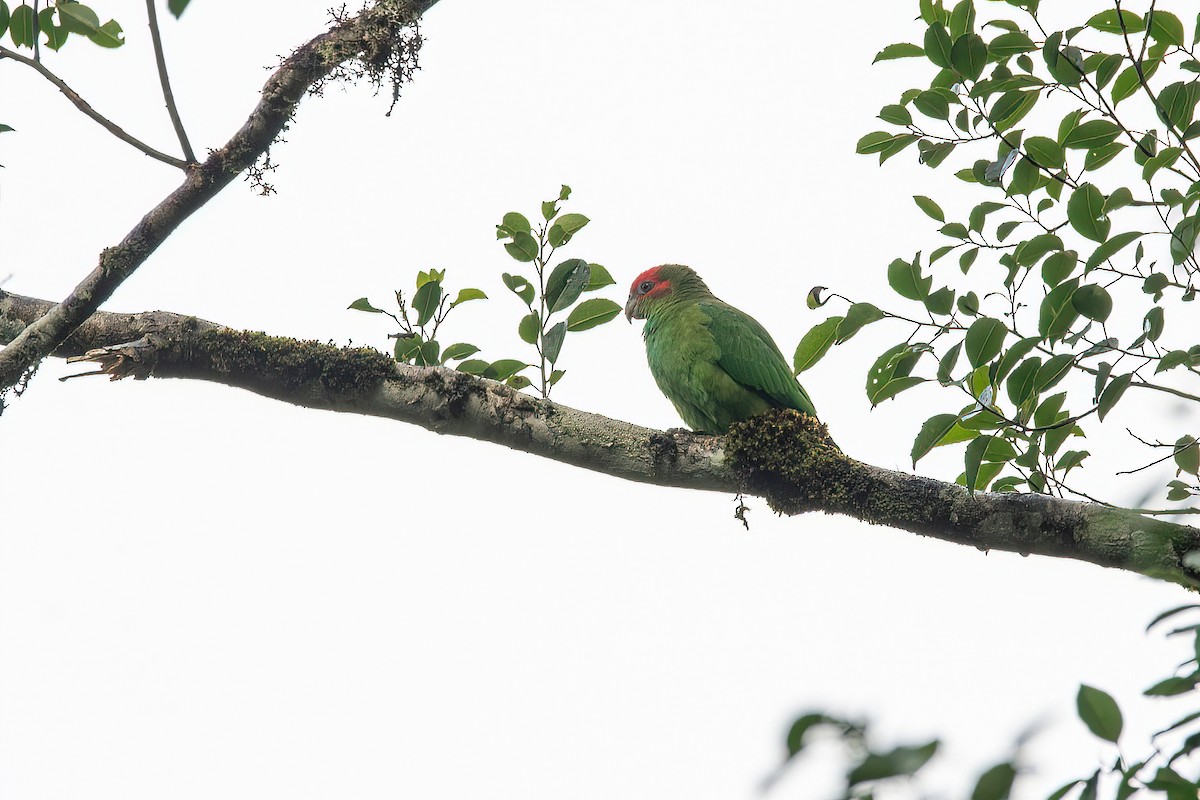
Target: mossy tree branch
{"points": [[381, 39], [784, 457]]}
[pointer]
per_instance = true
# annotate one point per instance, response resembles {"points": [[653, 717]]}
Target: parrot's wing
{"points": [[750, 356]]}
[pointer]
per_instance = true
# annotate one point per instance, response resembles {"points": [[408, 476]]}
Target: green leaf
{"points": [[1020, 383], [1053, 371], [362, 304], [1011, 108], [21, 26], [1090, 134], [985, 339], [598, 278], [1112, 394], [895, 114], [929, 207], [1010, 44], [1092, 301], [1085, 210], [972, 459], [896, 145], [56, 35], [1119, 198], [902, 760], [556, 376], [890, 374], [503, 369], [425, 301], [1057, 314], [1099, 712], [78, 18], [898, 50], [1154, 163], [1031, 251], [1014, 354], [878, 141], [1059, 266], [4, 18], [529, 327], [572, 223], [177, 7], [996, 783], [1110, 22], [591, 313], [1045, 151], [1187, 455], [962, 18], [906, 279], [549, 209], [552, 342], [858, 315], [1178, 103], [1097, 157], [815, 344], [1165, 28], [940, 302], [1110, 248], [1172, 687], [1153, 324], [465, 295], [1127, 83], [932, 432], [566, 283], [523, 247], [946, 365], [1183, 239], [473, 366], [427, 355], [969, 55], [459, 350], [519, 286], [938, 45], [408, 347], [515, 222], [1064, 63], [108, 35], [1107, 69], [518, 382]]}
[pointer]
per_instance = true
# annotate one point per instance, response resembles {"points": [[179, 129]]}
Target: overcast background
{"points": [[204, 593]]}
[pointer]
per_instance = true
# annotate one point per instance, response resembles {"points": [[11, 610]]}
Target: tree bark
{"points": [[785, 457]]}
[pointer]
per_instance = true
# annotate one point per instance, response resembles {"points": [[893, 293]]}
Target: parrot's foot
{"points": [[739, 513]]}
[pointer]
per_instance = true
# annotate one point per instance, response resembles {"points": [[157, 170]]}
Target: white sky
{"points": [[208, 594]]}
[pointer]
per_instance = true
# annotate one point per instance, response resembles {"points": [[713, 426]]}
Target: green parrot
{"points": [[714, 362]]}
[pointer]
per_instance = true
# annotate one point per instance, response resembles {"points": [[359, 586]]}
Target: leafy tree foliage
{"points": [[1070, 282]]}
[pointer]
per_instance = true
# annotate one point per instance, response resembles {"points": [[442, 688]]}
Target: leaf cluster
{"points": [[549, 293], [1162, 773], [1090, 222], [56, 22]]}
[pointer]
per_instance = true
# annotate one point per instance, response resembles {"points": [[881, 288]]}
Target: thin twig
{"points": [[83, 106], [168, 96]]}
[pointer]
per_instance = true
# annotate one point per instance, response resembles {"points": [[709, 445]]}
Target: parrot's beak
{"points": [[629, 304]]}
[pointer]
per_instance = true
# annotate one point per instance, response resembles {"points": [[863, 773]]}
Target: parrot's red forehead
{"points": [[652, 274]]}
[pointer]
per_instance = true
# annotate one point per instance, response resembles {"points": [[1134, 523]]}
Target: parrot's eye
{"points": [[645, 286]]}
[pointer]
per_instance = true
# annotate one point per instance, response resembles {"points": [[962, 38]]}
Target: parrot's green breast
{"points": [[718, 366]]}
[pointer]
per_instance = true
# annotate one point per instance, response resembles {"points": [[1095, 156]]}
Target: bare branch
{"points": [[168, 95], [86, 108], [373, 37], [785, 457]]}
